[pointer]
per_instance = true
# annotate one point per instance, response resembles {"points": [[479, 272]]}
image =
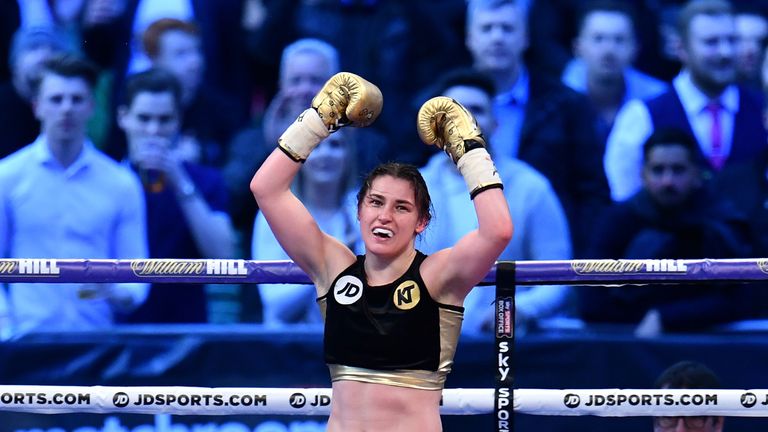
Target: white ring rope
{"points": [[637, 403], [203, 401], [316, 401]]}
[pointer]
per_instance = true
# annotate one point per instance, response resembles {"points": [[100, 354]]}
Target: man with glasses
{"points": [[688, 375]]}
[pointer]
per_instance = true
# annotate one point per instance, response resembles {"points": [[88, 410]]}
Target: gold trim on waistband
{"points": [[418, 379]]}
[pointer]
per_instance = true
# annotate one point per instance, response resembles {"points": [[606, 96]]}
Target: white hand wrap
{"points": [[479, 171], [303, 135]]}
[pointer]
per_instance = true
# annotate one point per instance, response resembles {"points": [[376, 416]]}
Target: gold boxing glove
{"points": [[447, 124], [348, 100], [345, 100]]}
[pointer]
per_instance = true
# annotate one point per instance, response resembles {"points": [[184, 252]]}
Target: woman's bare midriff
{"points": [[365, 407]]}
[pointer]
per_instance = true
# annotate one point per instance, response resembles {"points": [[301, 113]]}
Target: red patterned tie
{"points": [[716, 157]]}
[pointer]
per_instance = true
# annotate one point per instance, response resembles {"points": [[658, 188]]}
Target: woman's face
{"points": [[327, 164], [389, 217]]}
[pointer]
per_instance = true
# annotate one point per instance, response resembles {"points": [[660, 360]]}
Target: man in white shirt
{"points": [[60, 197], [541, 227]]}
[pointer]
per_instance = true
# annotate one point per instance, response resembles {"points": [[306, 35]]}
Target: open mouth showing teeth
{"points": [[383, 233]]}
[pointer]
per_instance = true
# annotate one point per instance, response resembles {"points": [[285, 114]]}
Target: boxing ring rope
{"points": [[316, 401], [501, 401], [203, 401], [574, 272]]}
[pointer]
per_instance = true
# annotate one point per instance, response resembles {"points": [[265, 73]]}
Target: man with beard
{"points": [[704, 101], [674, 215]]}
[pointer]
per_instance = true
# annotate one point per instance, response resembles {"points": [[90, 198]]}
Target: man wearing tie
{"points": [[725, 118]]}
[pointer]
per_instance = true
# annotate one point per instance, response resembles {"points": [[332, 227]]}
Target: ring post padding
{"points": [[505, 341]]}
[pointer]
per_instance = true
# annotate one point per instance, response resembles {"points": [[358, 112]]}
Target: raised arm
{"points": [[451, 273], [345, 100]]}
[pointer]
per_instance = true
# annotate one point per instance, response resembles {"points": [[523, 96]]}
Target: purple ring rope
{"points": [[576, 272]]}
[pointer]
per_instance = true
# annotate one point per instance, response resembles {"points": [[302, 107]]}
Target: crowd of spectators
{"points": [[131, 128]]}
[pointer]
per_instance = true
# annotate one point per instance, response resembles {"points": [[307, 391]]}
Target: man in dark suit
{"points": [[725, 118], [675, 214], [541, 121]]}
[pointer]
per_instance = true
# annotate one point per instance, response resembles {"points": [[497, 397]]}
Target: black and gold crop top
{"points": [[392, 334]]}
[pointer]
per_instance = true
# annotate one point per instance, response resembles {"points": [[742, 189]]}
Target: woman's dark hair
{"points": [[405, 172]]}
